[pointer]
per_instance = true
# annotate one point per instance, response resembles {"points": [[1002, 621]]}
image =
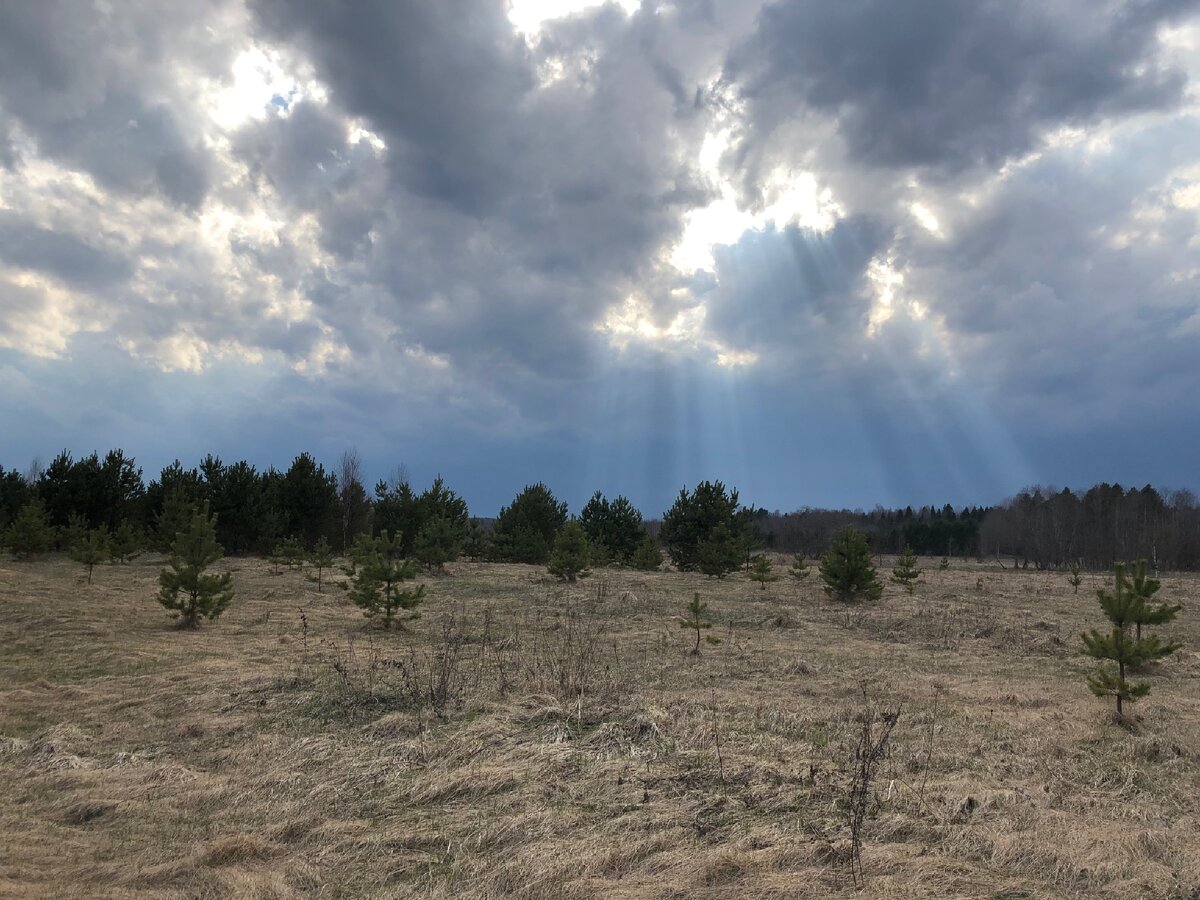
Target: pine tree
{"points": [[719, 553], [648, 557], [174, 517], [321, 558], [761, 570], [289, 552], [905, 571], [800, 568], [377, 575], [127, 542], [846, 569], [1144, 589], [184, 588], [1075, 579], [91, 548], [29, 534], [438, 542], [697, 618], [944, 564], [475, 544], [571, 555], [1123, 607]]}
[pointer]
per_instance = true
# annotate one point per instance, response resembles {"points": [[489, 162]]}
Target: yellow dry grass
{"points": [[576, 752]]}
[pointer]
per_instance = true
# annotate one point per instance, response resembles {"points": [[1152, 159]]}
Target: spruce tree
{"points": [[29, 534], [91, 548], [905, 571], [1123, 607], [571, 554], [378, 572], [127, 542], [185, 589], [846, 569], [1144, 588], [800, 568], [321, 558], [697, 618], [761, 570], [648, 557], [1075, 579]]}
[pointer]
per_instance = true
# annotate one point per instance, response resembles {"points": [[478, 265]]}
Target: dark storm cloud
{"points": [[67, 257], [946, 84]]}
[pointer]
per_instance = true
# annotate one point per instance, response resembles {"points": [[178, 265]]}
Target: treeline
{"points": [[928, 531], [1097, 528]]}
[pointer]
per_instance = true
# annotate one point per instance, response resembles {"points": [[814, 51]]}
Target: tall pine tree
{"points": [[185, 588]]}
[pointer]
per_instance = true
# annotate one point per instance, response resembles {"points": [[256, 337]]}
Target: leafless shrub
{"points": [[871, 749]]}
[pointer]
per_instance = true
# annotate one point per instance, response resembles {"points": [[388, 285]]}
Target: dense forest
{"points": [[256, 509]]}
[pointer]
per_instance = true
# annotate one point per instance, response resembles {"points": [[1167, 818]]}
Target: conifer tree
{"points": [[127, 542], [378, 572], [944, 564], [719, 553], [289, 552], [761, 570], [1075, 579], [320, 557], [185, 589], [73, 532], [475, 543], [648, 557], [846, 569], [91, 548], [174, 517], [800, 568], [697, 618], [437, 543], [571, 554], [1123, 607], [905, 572], [29, 534], [1144, 588]]}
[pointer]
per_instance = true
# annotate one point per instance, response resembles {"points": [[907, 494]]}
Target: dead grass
{"points": [[526, 739]]}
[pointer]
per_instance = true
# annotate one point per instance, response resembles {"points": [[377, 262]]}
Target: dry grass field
{"points": [[536, 740]]}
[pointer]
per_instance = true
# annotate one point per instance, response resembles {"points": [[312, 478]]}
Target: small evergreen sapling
{"points": [[648, 557], [321, 558], [378, 572], [438, 542], [697, 618], [761, 570], [127, 542], [29, 534], [185, 589], [571, 554], [91, 548], [800, 568], [944, 564], [846, 570], [1123, 607], [289, 552], [1075, 579], [905, 571], [1144, 588]]}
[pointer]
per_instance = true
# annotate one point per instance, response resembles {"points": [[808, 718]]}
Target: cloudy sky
{"points": [[832, 253]]}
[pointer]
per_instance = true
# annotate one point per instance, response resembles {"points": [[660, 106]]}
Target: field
{"points": [[532, 739]]}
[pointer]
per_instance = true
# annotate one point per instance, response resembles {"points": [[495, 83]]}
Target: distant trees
{"points": [[184, 587], [648, 557], [613, 527], [846, 570], [524, 531], [29, 534]]}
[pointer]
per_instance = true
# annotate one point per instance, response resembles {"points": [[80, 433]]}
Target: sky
{"points": [[833, 254]]}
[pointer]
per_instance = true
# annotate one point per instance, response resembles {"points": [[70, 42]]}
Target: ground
{"points": [[531, 739]]}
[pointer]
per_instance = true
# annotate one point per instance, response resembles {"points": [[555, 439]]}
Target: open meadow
{"points": [[535, 739]]}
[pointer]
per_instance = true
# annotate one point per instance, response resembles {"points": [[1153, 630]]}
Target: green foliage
{"points": [[73, 532], [29, 534], [91, 548], [571, 555], [100, 491], [1144, 588], [1123, 606], [320, 557], [800, 568], [846, 570], [697, 618], [184, 588], [905, 572], [288, 552], [438, 542], [525, 530], [127, 542], [648, 557], [761, 570], [719, 553], [1075, 579], [615, 527], [693, 518], [174, 518], [403, 513], [377, 575], [475, 541], [944, 564], [307, 500]]}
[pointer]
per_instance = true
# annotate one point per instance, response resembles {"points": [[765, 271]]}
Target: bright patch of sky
{"points": [[527, 16]]}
